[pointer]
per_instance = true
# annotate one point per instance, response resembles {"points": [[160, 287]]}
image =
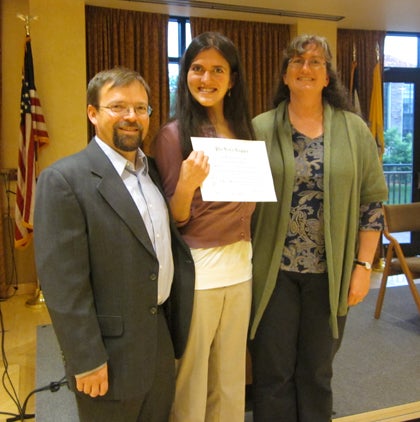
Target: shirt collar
{"points": [[121, 163]]}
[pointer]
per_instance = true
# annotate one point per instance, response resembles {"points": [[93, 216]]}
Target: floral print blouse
{"points": [[304, 249]]}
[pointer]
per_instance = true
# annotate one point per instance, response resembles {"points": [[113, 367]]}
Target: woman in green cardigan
{"points": [[313, 249]]}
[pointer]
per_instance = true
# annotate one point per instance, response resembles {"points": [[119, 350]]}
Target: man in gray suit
{"points": [[115, 289]]}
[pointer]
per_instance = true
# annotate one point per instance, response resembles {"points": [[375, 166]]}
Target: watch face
{"points": [[365, 264]]}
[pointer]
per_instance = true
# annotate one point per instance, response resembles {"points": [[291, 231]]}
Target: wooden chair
{"points": [[400, 218]]}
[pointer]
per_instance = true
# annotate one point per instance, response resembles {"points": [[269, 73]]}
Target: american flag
{"points": [[33, 134]]}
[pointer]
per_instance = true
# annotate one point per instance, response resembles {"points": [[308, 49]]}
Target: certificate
{"points": [[239, 170]]}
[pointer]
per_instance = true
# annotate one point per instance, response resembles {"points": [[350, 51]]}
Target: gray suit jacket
{"points": [[98, 273]]}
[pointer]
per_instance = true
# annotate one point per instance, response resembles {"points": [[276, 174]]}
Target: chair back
{"points": [[402, 217]]}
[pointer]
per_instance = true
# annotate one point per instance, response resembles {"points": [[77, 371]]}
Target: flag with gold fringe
{"points": [[376, 116], [33, 135], [376, 121]]}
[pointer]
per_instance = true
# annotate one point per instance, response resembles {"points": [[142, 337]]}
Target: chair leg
{"points": [[413, 289], [408, 275], [381, 293], [382, 288], [385, 274]]}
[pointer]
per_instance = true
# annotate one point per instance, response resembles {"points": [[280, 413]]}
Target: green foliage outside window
{"points": [[398, 149]]}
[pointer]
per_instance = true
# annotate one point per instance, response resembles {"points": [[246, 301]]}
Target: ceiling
{"points": [[389, 15]]}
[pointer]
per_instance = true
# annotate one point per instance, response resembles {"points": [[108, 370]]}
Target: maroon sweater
{"points": [[211, 223]]}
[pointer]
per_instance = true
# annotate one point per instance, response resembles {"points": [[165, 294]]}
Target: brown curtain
{"points": [[364, 43], [260, 46], [3, 281], [135, 40], [2, 251]]}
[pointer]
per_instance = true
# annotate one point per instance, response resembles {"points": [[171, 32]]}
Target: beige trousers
{"points": [[210, 383]]}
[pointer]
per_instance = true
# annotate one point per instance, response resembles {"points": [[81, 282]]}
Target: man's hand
{"points": [[95, 383]]}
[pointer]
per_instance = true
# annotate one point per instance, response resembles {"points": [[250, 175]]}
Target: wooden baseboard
{"points": [[21, 289], [403, 413]]}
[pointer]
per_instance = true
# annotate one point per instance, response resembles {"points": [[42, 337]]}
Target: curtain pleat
{"points": [[135, 40], [260, 46], [3, 287], [364, 43]]}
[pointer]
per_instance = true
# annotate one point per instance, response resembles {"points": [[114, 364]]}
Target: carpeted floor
{"points": [[58, 406], [377, 366]]}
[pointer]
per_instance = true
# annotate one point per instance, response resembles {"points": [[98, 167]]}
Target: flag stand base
{"points": [[379, 266], [37, 301]]}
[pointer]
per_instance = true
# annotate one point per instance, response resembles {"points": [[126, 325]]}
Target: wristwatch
{"points": [[365, 264]]}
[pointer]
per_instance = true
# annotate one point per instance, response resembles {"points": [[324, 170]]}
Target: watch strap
{"points": [[365, 264]]}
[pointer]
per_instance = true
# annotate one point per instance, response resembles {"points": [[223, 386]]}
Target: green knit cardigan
{"points": [[352, 176]]}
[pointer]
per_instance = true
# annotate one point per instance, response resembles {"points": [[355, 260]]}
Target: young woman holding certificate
{"points": [[211, 102]]}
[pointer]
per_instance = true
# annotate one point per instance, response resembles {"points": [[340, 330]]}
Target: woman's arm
{"points": [[360, 279]]}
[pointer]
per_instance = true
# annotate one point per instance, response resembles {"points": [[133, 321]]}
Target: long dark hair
{"points": [[192, 117], [335, 93]]}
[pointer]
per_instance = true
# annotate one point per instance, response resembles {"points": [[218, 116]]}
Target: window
{"points": [[401, 51], [401, 116], [179, 37]]}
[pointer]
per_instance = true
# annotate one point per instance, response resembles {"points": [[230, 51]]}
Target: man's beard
{"points": [[128, 142]]}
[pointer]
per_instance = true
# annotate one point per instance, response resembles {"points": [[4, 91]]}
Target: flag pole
{"points": [[379, 261], [38, 299], [27, 19], [353, 88]]}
